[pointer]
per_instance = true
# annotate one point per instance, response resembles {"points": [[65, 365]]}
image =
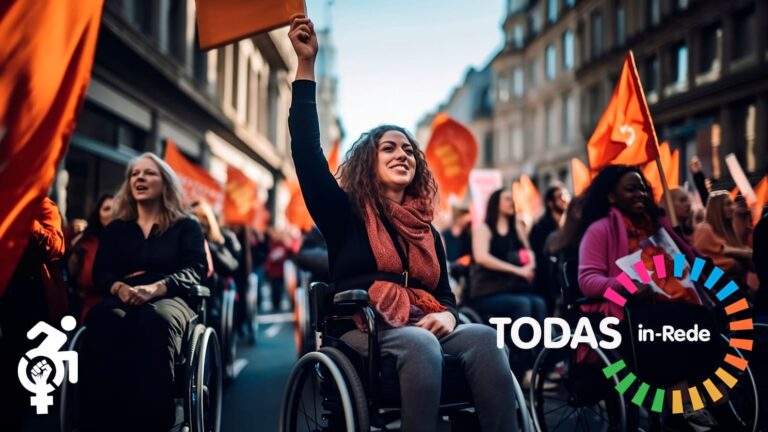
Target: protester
{"points": [[556, 200], [148, 258], [83, 255], [563, 245], [504, 268], [760, 260], [717, 240], [458, 250], [742, 221], [385, 204], [36, 292], [274, 267], [681, 205], [700, 180]]}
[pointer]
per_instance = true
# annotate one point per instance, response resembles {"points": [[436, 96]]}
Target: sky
{"points": [[397, 60]]}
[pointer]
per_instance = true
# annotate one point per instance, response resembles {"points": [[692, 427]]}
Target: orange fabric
{"points": [[711, 245], [296, 212], [241, 198], [334, 158], [451, 154], [670, 162], [411, 220], [625, 133], [580, 175], [220, 22], [196, 181], [527, 198], [47, 52]]}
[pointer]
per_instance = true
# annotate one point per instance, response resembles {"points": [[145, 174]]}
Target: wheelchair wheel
{"points": [[304, 334], [228, 334], [69, 391], [741, 412], [324, 393], [583, 400], [205, 381]]}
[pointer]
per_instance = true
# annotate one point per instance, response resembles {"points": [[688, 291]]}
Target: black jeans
{"points": [[127, 364]]}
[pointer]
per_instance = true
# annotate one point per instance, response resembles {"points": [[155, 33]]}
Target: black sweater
{"points": [[349, 251], [176, 257]]}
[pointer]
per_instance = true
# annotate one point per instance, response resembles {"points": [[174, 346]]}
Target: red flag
{"points": [[296, 212], [625, 133], [334, 159], [242, 198], [451, 154], [196, 181], [47, 52]]}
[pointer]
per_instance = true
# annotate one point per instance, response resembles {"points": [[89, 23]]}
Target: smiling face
{"points": [[146, 181], [396, 163], [629, 195]]}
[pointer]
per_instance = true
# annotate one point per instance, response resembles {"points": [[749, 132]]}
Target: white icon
{"points": [[47, 359], [627, 129]]}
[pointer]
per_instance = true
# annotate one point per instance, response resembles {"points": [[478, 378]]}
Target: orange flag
{"points": [[241, 199], [196, 181], [580, 175], [334, 159], [625, 133], [296, 212], [670, 161], [47, 52], [451, 154]]}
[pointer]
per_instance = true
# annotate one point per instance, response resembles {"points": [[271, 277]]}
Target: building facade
{"points": [[151, 83]]}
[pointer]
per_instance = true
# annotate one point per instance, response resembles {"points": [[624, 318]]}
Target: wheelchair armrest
{"points": [[355, 296], [199, 291]]}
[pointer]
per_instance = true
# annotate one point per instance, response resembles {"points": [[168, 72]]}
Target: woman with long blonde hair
{"points": [[149, 256], [716, 238]]}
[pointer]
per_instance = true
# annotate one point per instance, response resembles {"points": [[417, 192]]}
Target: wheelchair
{"points": [[198, 394], [586, 399], [221, 314], [337, 388]]}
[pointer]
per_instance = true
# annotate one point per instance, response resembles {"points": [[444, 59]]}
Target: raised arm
{"points": [[326, 201]]}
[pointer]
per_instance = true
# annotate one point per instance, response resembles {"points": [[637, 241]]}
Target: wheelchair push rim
{"points": [[206, 384]]}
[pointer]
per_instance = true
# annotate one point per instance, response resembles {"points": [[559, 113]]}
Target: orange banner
{"points": [[527, 199], [241, 200], [580, 175], [196, 181], [451, 155], [670, 162], [225, 21], [625, 133], [47, 52]]}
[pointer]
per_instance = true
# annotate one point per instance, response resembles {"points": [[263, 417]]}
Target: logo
{"points": [[740, 320], [39, 364]]}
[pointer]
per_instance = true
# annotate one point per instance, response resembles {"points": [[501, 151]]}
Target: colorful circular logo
{"points": [[740, 322]]}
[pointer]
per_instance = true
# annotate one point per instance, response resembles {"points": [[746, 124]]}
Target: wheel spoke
{"points": [[556, 409], [564, 419]]}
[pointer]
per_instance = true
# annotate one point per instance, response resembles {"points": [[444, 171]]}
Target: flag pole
{"points": [[644, 104]]}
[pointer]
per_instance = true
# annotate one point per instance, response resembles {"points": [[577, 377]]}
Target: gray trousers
{"points": [[419, 363]]}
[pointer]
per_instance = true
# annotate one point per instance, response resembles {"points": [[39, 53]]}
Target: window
{"points": [[517, 82], [550, 127], [533, 70], [517, 143], [620, 26], [597, 34], [234, 52], [680, 5], [534, 23], [139, 13], [568, 42], [679, 64], [503, 89], [744, 31], [651, 75], [594, 105], [551, 11], [551, 60], [652, 12], [519, 36], [570, 3], [568, 117], [488, 150], [176, 30], [711, 42]]}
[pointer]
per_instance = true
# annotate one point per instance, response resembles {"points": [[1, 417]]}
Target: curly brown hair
{"points": [[357, 175]]}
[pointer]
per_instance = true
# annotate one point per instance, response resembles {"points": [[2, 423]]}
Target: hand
{"points": [[527, 273], [303, 38], [145, 293], [40, 373], [438, 323], [125, 293], [694, 165]]}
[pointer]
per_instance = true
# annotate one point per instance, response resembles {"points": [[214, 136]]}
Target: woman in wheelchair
{"points": [[148, 257], [618, 216], [377, 225]]}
